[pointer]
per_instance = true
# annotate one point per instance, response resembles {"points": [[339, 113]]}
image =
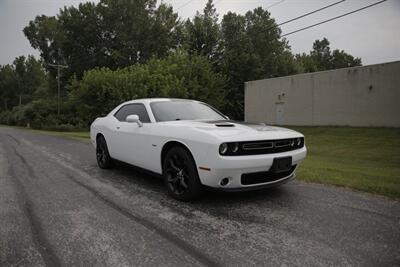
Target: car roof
{"points": [[150, 100]]}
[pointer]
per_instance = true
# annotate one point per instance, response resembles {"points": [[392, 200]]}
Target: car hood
{"points": [[229, 130]]}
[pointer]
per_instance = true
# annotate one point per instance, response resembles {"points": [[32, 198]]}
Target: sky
{"points": [[372, 34]]}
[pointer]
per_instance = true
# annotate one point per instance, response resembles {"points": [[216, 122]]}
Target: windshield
{"points": [[184, 110]]}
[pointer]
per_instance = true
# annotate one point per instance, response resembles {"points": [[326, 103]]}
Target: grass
{"points": [[364, 159], [83, 136]]}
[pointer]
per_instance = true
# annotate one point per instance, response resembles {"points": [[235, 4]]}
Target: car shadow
{"points": [[139, 177], [241, 207]]}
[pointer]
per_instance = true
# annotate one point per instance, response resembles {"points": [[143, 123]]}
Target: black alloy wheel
{"points": [[103, 157], [180, 175]]}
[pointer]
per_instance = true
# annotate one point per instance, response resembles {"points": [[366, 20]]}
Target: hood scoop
{"points": [[224, 124]]}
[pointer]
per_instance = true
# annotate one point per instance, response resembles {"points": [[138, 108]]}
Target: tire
{"points": [[103, 157], [180, 175]]}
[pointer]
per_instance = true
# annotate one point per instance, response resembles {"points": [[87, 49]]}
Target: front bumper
{"points": [[232, 167]]}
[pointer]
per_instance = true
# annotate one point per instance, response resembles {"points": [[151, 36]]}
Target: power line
{"points": [[302, 16], [275, 4], [185, 4], [310, 13], [188, 2], [334, 18]]}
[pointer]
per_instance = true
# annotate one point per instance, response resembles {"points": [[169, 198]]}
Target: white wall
{"points": [[359, 96]]}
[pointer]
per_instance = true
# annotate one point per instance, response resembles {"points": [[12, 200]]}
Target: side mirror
{"points": [[134, 119]]}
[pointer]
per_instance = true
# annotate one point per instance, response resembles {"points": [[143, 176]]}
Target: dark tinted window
{"points": [[132, 109], [184, 110]]}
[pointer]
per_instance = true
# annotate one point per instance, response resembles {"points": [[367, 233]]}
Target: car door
{"points": [[130, 140]]}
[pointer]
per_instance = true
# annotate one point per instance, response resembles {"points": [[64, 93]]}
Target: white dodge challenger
{"points": [[193, 145]]}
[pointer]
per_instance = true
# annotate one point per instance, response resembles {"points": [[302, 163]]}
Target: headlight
{"points": [[223, 148], [234, 147], [298, 141], [292, 142]]}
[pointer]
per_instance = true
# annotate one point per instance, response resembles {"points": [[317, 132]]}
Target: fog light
{"points": [[224, 181]]}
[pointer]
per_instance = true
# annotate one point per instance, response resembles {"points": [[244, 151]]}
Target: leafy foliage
{"points": [[20, 81], [252, 49], [120, 50], [202, 36], [321, 58], [179, 75], [111, 34]]}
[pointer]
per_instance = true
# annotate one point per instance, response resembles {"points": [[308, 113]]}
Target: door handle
{"points": [[118, 127]]}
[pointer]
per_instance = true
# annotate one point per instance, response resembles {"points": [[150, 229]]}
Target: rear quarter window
{"points": [[132, 109]]}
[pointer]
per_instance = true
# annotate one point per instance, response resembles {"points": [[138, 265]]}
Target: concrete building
{"points": [[359, 96]]}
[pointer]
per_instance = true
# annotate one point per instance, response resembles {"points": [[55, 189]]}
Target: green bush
{"points": [[18, 116], [5, 118], [179, 75], [62, 128], [40, 114], [100, 90]]}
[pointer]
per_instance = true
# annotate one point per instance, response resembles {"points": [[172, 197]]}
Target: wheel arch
{"points": [[170, 144], [98, 135]]}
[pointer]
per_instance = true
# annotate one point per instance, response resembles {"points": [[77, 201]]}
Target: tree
{"points": [[20, 81], [341, 59], [81, 40], [30, 76], [119, 50], [252, 49], [322, 58], [178, 75], [112, 34], [135, 31], [45, 34], [8, 85], [202, 35], [305, 63], [321, 54]]}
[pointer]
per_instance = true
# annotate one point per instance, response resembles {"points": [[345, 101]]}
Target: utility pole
{"points": [[20, 91], [59, 67]]}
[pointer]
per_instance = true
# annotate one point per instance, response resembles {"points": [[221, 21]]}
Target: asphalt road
{"points": [[58, 208]]}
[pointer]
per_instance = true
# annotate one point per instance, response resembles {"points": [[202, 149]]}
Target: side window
{"points": [[132, 109]]}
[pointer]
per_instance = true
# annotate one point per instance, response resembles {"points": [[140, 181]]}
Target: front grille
{"points": [[264, 146], [264, 177], [257, 145]]}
